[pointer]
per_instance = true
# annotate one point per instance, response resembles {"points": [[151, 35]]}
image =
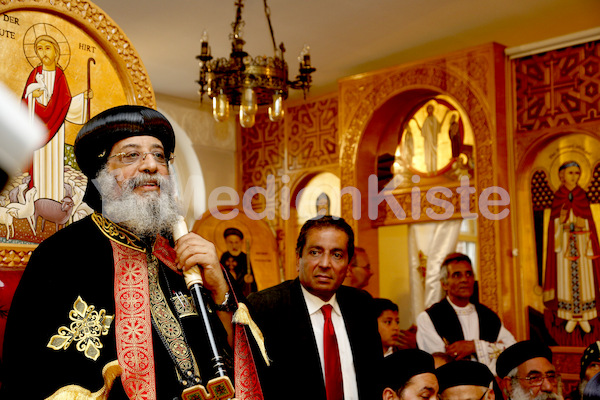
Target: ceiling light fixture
{"points": [[249, 82]]}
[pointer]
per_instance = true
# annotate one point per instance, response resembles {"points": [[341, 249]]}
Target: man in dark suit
{"points": [[291, 318]]}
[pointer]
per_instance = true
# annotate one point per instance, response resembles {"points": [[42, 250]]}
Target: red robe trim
{"points": [[134, 327], [133, 324], [53, 114], [247, 384]]}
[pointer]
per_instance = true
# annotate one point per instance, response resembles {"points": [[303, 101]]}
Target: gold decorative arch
{"points": [[94, 54], [100, 29], [474, 78]]}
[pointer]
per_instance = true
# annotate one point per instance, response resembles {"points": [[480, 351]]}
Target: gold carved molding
{"points": [[15, 256], [405, 198], [469, 78], [119, 76], [102, 29]]}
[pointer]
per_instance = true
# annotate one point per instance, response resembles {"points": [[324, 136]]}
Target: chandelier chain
{"points": [[268, 15], [238, 23]]}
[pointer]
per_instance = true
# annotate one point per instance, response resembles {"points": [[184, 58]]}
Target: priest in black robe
{"points": [[102, 306]]}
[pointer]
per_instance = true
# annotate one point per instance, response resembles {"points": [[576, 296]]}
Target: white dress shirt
{"points": [[430, 341], [314, 304]]}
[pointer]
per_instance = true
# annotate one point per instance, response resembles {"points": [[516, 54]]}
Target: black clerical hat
{"points": [[402, 365], [520, 352], [233, 231], [97, 137], [591, 354], [463, 372]]}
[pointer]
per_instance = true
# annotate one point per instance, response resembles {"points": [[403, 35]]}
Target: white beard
{"points": [[146, 215], [581, 386], [518, 393]]}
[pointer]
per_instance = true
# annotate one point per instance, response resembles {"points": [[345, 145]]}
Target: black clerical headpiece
{"points": [[402, 365], [520, 352], [463, 372], [96, 138], [233, 231], [591, 354]]}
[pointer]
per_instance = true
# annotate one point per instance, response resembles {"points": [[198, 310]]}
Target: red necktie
{"points": [[333, 367]]}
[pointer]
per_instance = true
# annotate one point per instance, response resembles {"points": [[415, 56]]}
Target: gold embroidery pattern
{"points": [[116, 233], [494, 351], [85, 330], [184, 305], [166, 321], [133, 327]]}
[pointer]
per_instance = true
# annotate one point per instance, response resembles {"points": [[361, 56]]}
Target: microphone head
{"points": [[179, 228]]}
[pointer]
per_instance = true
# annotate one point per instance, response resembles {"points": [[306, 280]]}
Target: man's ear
{"points": [[491, 395], [389, 394], [444, 285], [506, 386]]}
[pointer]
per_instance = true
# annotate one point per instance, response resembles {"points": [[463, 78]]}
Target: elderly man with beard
{"points": [[590, 366], [104, 297], [527, 372]]}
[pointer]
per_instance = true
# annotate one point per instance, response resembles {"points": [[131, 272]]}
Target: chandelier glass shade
{"points": [[249, 82]]}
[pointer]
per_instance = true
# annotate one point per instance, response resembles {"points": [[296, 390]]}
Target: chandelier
{"points": [[249, 82]]}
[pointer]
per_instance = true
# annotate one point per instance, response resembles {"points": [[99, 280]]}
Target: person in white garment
{"points": [[572, 262], [464, 330], [430, 131], [48, 98]]}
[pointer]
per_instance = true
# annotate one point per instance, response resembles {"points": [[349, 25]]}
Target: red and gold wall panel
{"points": [[305, 143], [555, 119]]}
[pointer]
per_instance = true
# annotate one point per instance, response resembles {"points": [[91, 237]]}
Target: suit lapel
{"points": [[304, 325], [307, 345]]}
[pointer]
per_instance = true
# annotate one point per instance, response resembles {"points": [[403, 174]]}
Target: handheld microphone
{"points": [[192, 276], [193, 279]]}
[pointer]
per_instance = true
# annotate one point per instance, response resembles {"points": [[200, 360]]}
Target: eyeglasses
{"points": [[538, 379], [135, 156]]}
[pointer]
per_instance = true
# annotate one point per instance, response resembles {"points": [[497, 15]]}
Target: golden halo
{"points": [[38, 30], [324, 182], [566, 156]]}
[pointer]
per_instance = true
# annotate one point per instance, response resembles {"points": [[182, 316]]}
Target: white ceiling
{"points": [[346, 37]]}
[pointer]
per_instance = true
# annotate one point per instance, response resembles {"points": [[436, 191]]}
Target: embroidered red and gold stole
{"points": [[247, 385], [133, 323]]}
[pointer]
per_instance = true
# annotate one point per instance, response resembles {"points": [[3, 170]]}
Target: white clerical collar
{"points": [[466, 310], [314, 304]]}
